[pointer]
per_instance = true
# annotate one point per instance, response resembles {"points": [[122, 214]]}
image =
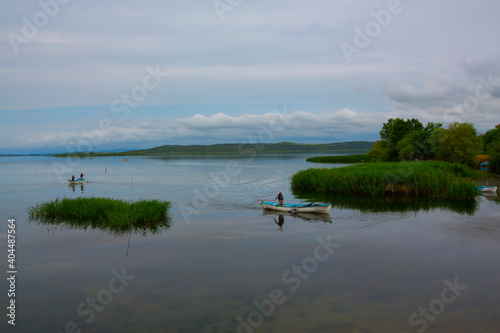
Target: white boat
{"points": [[487, 188], [298, 208]]}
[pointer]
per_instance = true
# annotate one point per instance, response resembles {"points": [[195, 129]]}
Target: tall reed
{"points": [[428, 178]]}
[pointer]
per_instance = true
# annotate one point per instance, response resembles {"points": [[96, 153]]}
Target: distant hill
{"points": [[353, 147], [283, 147]]}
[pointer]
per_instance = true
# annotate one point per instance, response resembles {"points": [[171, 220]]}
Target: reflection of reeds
{"points": [[117, 216], [429, 178], [390, 203]]}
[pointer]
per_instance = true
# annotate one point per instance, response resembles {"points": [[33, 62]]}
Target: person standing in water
{"points": [[280, 198]]}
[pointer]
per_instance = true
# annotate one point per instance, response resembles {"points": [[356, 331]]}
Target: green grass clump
{"points": [[103, 213], [348, 159], [426, 178]]}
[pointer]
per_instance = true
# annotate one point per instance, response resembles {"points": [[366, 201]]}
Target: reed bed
{"points": [[347, 159], [102, 212], [425, 178]]}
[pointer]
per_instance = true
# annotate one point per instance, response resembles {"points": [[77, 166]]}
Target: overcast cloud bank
{"points": [[435, 61]]}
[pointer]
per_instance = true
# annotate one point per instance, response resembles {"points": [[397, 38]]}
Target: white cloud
{"points": [[439, 98], [217, 127], [434, 87]]}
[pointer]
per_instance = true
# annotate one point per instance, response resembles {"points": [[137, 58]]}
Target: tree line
{"points": [[410, 140]]}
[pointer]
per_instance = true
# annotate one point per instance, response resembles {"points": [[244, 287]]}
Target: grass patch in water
{"points": [[103, 213], [425, 178]]}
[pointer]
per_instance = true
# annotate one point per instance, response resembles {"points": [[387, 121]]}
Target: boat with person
{"points": [[76, 181], [298, 208]]}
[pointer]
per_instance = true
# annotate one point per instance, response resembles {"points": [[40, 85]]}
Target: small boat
{"points": [[76, 181], [298, 208], [484, 166], [487, 188]]}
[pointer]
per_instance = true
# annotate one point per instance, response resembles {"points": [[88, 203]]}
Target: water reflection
{"points": [[280, 222], [75, 186], [116, 231], [494, 197], [391, 203], [489, 194], [279, 217]]}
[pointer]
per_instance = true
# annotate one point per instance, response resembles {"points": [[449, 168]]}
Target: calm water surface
{"points": [[224, 265]]}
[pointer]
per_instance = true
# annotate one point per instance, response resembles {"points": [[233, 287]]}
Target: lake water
{"points": [[225, 265]]}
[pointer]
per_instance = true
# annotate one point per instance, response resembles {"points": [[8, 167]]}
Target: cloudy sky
{"points": [[102, 75]]}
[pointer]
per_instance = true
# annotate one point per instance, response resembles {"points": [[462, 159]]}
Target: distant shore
{"points": [[353, 147]]}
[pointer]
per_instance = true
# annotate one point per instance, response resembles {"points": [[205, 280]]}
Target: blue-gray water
{"points": [[224, 265]]}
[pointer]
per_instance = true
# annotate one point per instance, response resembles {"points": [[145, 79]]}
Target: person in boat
{"points": [[280, 198], [73, 178], [81, 176]]}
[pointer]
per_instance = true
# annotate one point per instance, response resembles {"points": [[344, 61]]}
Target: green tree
{"points": [[491, 141], [427, 149], [491, 136], [408, 147], [494, 151], [378, 151], [395, 130], [417, 144], [459, 143], [406, 139]]}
